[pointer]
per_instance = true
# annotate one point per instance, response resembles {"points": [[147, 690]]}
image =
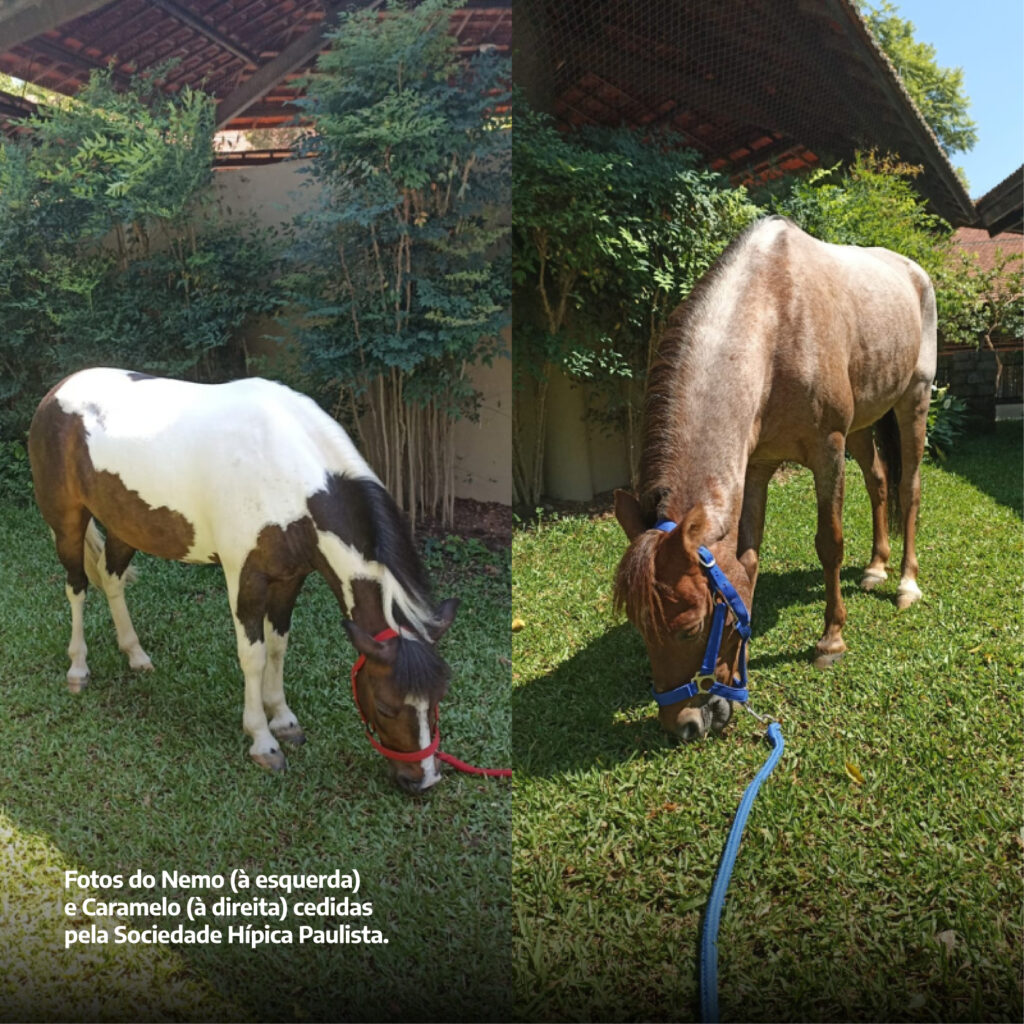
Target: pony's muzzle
{"points": [[694, 722], [416, 781]]}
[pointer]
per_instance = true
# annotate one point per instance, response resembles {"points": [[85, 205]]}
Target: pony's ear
{"points": [[627, 511], [382, 650], [444, 616], [692, 530]]}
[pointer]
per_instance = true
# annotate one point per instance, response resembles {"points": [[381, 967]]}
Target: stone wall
{"points": [[972, 375]]}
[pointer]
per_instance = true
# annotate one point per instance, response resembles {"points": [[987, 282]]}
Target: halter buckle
{"points": [[704, 562]]}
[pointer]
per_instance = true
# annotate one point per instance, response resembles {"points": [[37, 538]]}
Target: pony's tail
{"points": [[887, 441], [93, 559]]}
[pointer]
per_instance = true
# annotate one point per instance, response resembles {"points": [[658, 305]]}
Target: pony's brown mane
{"points": [[637, 590], [666, 390]]}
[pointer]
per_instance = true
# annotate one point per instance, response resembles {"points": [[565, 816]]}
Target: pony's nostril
{"points": [[689, 731], [717, 713]]}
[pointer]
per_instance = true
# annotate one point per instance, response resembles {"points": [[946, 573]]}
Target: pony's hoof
{"points": [[290, 734], [870, 580], [826, 659], [273, 760], [77, 681], [909, 593]]}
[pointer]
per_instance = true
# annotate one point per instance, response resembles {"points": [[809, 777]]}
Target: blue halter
{"points": [[726, 599]]}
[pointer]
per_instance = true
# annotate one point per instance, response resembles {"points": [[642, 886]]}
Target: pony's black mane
{"points": [[362, 513], [419, 671]]}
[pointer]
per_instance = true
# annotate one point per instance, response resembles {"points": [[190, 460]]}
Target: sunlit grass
{"points": [[151, 772], [898, 898]]}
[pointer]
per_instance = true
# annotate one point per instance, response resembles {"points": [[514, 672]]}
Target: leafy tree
{"points": [[611, 231], [398, 265], [938, 92]]}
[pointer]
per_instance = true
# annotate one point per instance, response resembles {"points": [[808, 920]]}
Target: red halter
{"points": [[431, 747]]}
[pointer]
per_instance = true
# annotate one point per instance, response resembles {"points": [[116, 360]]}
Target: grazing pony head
{"points": [[665, 594], [398, 683]]}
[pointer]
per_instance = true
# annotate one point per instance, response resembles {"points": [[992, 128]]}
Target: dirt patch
{"points": [[601, 506], [488, 521]]}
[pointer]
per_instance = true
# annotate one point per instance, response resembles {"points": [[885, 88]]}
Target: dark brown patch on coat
{"points": [[273, 574], [69, 489]]}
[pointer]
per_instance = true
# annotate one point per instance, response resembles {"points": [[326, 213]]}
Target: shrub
{"points": [[873, 202], [100, 260], [947, 416]]}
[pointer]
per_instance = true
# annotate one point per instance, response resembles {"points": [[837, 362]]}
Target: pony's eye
{"points": [[385, 710]]}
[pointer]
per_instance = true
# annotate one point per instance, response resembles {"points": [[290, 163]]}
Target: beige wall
{"points": [[581, 458], [273, 192], [483, 450]]}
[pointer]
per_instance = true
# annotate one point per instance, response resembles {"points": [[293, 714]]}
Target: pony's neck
{"points": [[700, 436], [362, 538]]}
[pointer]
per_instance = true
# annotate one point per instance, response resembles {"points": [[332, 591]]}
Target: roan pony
{"points": [[256, 478], [789, 348]]}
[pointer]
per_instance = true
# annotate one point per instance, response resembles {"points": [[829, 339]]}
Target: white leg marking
{"points": [[127, 638], [872, 578], [908, 593], [253, 658], [429, 764], [78, 674], [281, 716]]}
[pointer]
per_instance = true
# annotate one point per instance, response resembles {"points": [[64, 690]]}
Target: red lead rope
{"points": [[427, 751]]}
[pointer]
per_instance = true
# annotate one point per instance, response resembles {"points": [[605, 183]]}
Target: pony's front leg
{"points": [[283, 723], [829, 480], [751, 530], [281, 596], [248, 597]]}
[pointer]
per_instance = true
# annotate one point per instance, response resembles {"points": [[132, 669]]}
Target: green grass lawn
{"points": [[151, 772], [898, 897]]}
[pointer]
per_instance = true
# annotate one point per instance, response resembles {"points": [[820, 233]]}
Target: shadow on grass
{"points": [[566, 720], [992, 463]]}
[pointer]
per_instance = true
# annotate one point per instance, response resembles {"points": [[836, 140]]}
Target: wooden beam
{"points": [[290, 59], [20, 22], [208, 31]]}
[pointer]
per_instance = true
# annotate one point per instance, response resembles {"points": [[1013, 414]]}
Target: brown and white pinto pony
{"points": [[792, 349], [256, 478]]}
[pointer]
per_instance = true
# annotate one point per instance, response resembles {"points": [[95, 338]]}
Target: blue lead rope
{"points": [[713, 914]]}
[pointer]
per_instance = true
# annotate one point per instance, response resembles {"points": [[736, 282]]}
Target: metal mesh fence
{"points": [[760, 87]]}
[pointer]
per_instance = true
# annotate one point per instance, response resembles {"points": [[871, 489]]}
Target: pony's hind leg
{"points": [[276, 626], [107, 563], [912, 416], [69, 538], [861, 445]]}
